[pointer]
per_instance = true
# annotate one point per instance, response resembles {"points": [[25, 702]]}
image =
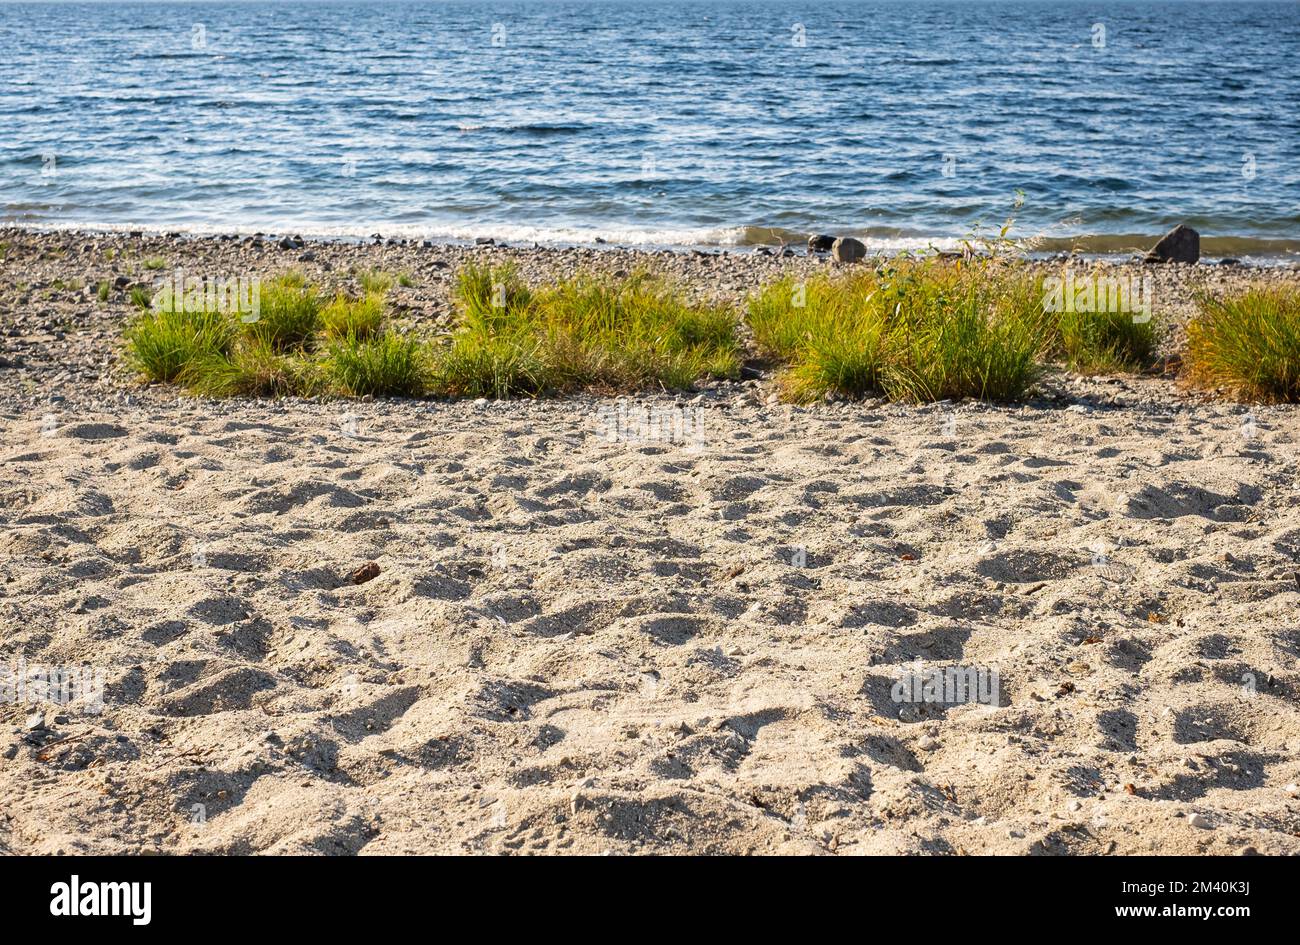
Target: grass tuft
{"points": [[1106, 342], [586, 332], [353, 318], [252, 369], [376, 282], [386, 365], [289, 314], [1249, 344], [141, 297], [163, 344], [914, 330]]}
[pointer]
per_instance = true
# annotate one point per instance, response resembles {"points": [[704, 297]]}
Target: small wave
{"points": [[545, 129]]}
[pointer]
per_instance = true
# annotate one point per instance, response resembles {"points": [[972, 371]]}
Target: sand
{"points": [[683, 643]]}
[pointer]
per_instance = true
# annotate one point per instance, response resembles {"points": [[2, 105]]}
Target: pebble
{"points": [[1201, 822]]}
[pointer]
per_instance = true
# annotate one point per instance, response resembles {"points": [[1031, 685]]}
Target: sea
{"points": [[661, 123]]}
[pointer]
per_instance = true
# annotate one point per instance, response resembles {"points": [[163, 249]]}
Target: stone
{"points": [[848, 250], [1181, 244], [367, 572]]}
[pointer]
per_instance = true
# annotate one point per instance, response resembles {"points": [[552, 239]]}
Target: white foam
{"points": [[645, 237]]}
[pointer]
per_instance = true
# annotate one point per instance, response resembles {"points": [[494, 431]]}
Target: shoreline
{"points": [[1250, 252]]}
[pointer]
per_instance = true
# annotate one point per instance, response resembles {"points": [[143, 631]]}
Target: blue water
{"points": [[704, 122]]}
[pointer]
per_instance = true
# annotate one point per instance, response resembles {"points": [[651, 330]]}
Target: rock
{"points": [[484, 241], [820, 243], [1201, 822], [1181, 244], [848, 250], [367, 572]]}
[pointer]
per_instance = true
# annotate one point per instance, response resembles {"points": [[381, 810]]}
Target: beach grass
{"points": [[586, 332], [1106, 342], [289, 314], [1247, 344], [353, 318], [387, 364], [295, 344], [251, 367], [140, 297], [163, 344], [376, 281], [915, 330]]}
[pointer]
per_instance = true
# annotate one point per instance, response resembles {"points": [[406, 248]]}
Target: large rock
{"points": [[820, 243], [1181, 244], [848, 250]]}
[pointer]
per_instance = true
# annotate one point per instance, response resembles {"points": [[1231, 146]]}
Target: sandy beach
{"points": [[580, 640]]}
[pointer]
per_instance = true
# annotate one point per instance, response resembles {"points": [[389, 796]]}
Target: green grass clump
{"points": [[103, 290], [915, 330], [154, 263], [353, 318], [385, 365], [1249, 344], [375, 282], [492, 296], [633, 333], [1106, 342], [963, 330], [140, 297], [586, 332], [497, 348], [163, 344], [252, 368], [295, 346], [827, 329], [288, 316], [499, 364]]}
